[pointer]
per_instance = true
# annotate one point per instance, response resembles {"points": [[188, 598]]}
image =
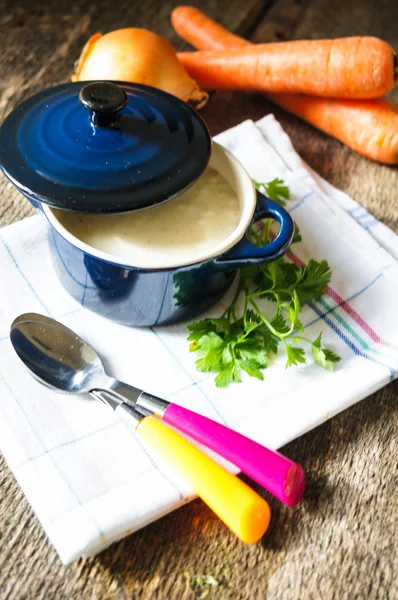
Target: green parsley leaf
{"points": [[331, 359], [331, 356], [252, 351], [229, 374], [322, 356], [319, 356], [205, 341], [293, 311], [199, 328], [252, 368], [227, 355], [212, 361], [317, 343], [312, 284], [279, 323], [276, 190], [210, 340], [295, 356], [296, 235]]}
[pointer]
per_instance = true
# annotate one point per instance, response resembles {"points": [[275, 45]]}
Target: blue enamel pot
{"points": [[137, 295], [107, 148]]}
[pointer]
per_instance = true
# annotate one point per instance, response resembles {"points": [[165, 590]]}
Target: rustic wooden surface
{"points": [[341, 542]]}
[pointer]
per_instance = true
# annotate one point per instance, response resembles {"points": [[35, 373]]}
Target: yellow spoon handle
{"points": [[240, 507]]}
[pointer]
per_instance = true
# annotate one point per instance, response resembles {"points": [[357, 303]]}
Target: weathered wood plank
{"points": [[340, 542]]}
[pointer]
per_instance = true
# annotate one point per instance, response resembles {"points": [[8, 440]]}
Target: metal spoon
{"points": [[61, 359]]}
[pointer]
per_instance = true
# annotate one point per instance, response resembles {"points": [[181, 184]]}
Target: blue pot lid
{"points": [[103, 147]]}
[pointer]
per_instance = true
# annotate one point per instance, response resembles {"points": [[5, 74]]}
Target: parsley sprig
{"points": [[244, 338]]}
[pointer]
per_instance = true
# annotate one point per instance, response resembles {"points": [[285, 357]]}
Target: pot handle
{"points": [[245, 254]]}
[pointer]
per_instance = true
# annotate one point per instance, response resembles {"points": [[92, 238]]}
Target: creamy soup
{"points": [[173, 233]]}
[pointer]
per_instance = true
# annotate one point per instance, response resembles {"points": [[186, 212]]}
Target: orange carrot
{"points": [[356, 67], [368, 126], [201, 32]]}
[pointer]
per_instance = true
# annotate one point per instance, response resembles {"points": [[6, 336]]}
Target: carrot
{"points": [[356, 67], [201, 32], [368, 126]]}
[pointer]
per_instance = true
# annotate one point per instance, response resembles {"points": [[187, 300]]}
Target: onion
{"points": [[138, 56]]}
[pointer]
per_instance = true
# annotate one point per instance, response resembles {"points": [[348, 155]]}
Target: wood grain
{"points": [[341, 541]]}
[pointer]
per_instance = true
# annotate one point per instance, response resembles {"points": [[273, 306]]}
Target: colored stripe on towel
{"points": [[358, 319], [349, 342], [355, 335], [332, 310], [347, 308]]}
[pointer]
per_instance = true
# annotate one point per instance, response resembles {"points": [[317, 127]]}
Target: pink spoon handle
{"points": [[279, 475]]}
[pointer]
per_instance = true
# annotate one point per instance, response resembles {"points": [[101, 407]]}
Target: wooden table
{"points": [[341, 542]]}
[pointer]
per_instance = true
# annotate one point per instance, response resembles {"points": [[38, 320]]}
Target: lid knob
{"points": [[104, 100]]}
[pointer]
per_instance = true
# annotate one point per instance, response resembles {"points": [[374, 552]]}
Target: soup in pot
{"points": [[201, 218]]}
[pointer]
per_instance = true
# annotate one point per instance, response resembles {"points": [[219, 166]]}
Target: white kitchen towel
{"points": [[88, 478]]}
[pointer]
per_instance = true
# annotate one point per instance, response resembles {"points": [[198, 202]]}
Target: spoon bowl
{"points": [[55, 355]]}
